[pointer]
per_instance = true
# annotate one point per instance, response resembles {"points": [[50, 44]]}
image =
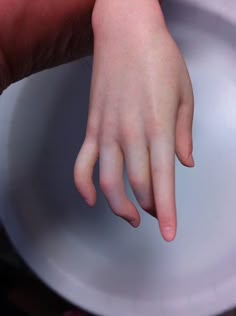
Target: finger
{"points": [[163, 177], [111, 164], [184, 143], [83, 171], [139, 173]]}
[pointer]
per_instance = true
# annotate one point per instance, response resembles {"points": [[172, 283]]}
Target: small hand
{"points": [[141, 111]]}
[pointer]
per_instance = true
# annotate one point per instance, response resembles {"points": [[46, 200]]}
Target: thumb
{"points": [[184, 142]]}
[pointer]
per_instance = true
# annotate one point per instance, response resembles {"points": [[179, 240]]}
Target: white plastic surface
{"points": [[91, 257]]}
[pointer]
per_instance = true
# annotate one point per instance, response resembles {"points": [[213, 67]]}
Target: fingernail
{"points": [[87, 201], [192, 160], [168, 233], [134, 223]]}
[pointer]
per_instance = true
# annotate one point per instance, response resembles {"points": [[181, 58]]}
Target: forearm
{"points": [[126, 17], [35, 34]]}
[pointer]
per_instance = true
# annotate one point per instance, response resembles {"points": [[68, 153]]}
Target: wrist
{"points": [[110, 16]]}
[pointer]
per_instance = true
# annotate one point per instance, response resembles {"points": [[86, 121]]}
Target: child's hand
{"points": [[141, 110]]}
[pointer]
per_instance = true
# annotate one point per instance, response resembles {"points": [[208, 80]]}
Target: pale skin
{"points": [[141, 100], [141, 111]]}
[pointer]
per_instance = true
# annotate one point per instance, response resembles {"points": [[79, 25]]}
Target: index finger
{"points": [[162, 155]]}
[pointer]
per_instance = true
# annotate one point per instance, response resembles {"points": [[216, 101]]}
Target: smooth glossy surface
{"points": [[90, 256]]}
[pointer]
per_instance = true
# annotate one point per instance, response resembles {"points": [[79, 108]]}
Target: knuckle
{"points": [[107, 185], [91, 132], [107, 132], [166, 220], [106, 138], [106, 141], [155, 129], [137, 182], [128, 134]]}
